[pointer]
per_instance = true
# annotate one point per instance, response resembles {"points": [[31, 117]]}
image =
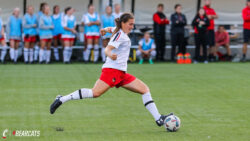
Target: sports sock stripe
{"points": [[80, 93], [151, 101]]}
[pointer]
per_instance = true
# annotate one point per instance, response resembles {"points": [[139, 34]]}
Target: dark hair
{"points": [[54, 8], [67, 9], [123, 19], [42, 5], [199, 10], [90, 5], [176, 6], [160, 5], [221, 26]]}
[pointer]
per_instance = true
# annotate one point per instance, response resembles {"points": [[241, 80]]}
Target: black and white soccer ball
{"points": [[172, 123]]}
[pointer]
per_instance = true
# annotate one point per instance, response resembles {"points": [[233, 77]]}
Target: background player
{"points": [[68, 36], [30, 33]]}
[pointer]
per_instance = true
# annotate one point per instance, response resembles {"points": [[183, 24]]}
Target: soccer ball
{"points": [[172, 123]]}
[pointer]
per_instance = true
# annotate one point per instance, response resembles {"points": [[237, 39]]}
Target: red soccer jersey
{"points": [[246, 17], [210, 11]]}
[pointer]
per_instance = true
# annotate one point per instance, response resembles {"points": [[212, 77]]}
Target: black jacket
{"points": [[178, 22], [200, 28], [159, 29]]}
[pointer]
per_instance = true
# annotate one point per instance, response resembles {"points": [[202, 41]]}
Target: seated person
{"points": [[222, 39], [146, 49]]}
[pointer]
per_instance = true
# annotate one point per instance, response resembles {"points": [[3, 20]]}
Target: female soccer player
{"points": [[30, 33], [14, 27], [2, 41], [114, 71], [108, 20], [57, 31], [45, 34], [91, 22], [69, 32]]}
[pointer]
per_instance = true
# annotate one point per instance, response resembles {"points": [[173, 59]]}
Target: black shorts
{"points": [[246, 35], [210, 38]]}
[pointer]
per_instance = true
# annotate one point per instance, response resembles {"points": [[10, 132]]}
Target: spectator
{"points": [[69, 33], [30, 33], [107, 20], [92, 23], [211, 14], [200, 24], [160, 22], [146, 49], [2, 41], [222, 39], [178, 22], [117, 12], [246, 27], [45, 34], [57, 31], [14, 27]]}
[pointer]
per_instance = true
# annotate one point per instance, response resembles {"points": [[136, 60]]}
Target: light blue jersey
{"points": [[57, 21], [28, 24], [45, 27], [69, 22], [1, 28], [92, 30], [147, 46], [108, 21], [15, 28]]}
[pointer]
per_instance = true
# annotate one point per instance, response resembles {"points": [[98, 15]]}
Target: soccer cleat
{"points": [[141, 61], [243, 59], [55, 104], [160, 121], [150, 61]]}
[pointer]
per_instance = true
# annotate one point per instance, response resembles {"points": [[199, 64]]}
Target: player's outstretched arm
{"points": [[103, 31]]}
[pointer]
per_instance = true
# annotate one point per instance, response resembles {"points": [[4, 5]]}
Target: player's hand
{"points": [[103, 32], [113, 56], [209, 17], [34, 25], [74, 31], [90, 23]]}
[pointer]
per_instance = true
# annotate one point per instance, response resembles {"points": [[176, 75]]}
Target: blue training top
{"points": [[28, 24], [45, 27], [15, 27], [146, 46], [1, 26], [93, 29], [108, 21], [57, 21]]}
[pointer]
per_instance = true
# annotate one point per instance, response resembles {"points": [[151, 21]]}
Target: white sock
{"points": [[70, 53], [41, 55], [3, 53], [36, 53], [31, 54], [96, 52], [103, 55], [48, 54], [56, 53], [26, 54], [79, 94], [150, 105], [87, 52], [12, 53], [16, 55], [66, 54]]}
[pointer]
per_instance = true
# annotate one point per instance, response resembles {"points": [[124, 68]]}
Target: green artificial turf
{"points": [[212, 101]]}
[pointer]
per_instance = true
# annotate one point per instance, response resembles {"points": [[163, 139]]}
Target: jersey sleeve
{"points": [[140, 42], [64, 21], [115, 40]]}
